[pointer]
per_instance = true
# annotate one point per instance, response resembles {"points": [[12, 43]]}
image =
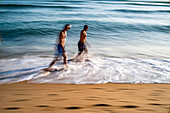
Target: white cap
{"points": [[67, 26]]}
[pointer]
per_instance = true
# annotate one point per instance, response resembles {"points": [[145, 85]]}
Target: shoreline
{"points": [[27, 97]]}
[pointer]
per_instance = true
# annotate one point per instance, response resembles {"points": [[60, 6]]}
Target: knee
{"points": [[55, 59], [65, 57]]}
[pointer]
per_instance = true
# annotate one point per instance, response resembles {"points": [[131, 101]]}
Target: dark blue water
{"points": [[117, 28]]}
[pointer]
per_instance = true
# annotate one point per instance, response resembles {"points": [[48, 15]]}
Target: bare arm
{"points": [[85, 35]]}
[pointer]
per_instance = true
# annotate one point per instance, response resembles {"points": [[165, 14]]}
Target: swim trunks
{"points": [[82, 46], [59, 51]]}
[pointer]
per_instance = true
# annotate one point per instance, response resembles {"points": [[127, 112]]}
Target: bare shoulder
{"points": [[83, 31]]}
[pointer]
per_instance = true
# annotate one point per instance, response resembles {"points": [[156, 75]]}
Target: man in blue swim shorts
{"points": [[60, 46]]}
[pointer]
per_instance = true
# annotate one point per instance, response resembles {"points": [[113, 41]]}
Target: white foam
{"points": [[94, 71]]}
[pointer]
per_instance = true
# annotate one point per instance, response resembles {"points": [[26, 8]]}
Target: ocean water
{"points": [[130, 40]]}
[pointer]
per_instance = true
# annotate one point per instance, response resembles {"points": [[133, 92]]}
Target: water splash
{"points": [[93, 71]]}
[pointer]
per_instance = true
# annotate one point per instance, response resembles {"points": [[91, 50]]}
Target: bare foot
{"points": [[47, 69], [66, 66]]}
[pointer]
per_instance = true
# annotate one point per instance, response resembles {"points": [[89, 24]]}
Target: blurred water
{"points": [[117, 28]]}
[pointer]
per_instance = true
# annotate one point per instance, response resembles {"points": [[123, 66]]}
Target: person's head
{"points": [[85, 27], [67, 27]]}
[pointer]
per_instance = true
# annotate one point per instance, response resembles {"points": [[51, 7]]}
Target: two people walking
{"points": [[60, 45]]}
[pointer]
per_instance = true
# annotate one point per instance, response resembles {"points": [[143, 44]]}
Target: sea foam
{"points": [[94, 71]]}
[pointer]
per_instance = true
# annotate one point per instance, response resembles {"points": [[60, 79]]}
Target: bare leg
{"points": [[65, 60], [86, 50], [80, 52], [53, 62]]}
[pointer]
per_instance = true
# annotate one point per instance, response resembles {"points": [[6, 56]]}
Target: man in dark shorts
{"points": [[60, 47], [82, 42]]}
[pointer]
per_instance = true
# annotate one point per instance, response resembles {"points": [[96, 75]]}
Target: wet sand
{"points": [[101, 98]]}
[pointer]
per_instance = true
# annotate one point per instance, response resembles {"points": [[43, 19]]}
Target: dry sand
{"points": [[102, 98]]}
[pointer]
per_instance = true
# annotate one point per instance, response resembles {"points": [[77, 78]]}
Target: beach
{"points": [[129, 41], [27, 97], [127, 69]]}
